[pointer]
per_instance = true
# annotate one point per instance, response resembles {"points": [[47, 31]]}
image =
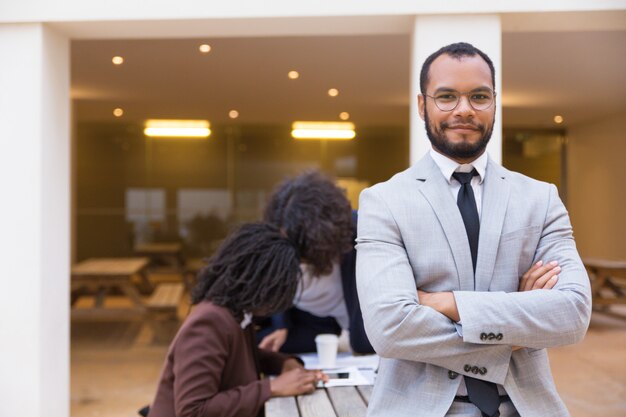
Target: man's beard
{"points": [[463, 150]]}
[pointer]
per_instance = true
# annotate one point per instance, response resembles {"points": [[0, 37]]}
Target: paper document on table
{"points": [[344, 360], [346, 377]]}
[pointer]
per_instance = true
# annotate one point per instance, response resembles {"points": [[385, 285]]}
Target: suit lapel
{"points": [[435, 190], [495, 198]]}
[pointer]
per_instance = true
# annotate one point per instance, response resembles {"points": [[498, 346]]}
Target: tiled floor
{"points": [[115, 368]]}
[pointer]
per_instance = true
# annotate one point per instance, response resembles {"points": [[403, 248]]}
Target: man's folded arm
{"points": [[541, 318], [396, 324]]}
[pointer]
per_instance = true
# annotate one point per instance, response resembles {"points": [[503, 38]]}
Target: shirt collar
{"points": [[247, 319], [449, 166]]}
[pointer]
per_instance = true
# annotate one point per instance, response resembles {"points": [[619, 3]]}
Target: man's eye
{"points": [[446, 97], [480, 97]]}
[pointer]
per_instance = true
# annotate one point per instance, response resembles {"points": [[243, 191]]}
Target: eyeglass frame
{"points": [[476, 90]]}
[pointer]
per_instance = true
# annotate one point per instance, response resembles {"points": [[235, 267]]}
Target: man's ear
{"points": [[420, 105]]}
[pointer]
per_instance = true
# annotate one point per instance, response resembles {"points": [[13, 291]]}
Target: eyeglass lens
{"points": [[479, 100]]}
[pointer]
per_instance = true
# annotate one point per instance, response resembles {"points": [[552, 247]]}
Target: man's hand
{"points": [[540, 277], [274, 340], [443, 302]]}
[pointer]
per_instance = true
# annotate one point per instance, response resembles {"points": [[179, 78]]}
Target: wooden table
{"points": [[168, 253], [99, 276], [324, 402], [608, 283]]}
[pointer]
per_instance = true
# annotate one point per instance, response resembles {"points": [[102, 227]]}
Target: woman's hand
{"points": [[290, 364], [274, 340], [297, 381]]}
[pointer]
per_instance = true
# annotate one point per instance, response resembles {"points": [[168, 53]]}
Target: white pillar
{"points": [[431, 33], [34, 221]]}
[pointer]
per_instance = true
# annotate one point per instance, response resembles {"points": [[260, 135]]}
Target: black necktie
{"points": [[467, 206], [482, 394]]}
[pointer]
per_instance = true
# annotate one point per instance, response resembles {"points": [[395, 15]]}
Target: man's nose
{"points": [[464, 107]]}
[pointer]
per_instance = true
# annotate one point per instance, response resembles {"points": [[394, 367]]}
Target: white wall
{"points": [[433, 32], [34, 243], [76, 10], [597, 187]]}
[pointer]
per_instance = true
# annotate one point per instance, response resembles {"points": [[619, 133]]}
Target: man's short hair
{"points": [[456, 50]]}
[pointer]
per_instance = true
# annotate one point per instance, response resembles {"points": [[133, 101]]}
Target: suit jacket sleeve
{"points": [[540, 318], [396, 324], [271, 363], [198, 367]]}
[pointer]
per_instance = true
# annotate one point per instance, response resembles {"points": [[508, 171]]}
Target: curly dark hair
{"points": [[316, 215], [256, 269]]}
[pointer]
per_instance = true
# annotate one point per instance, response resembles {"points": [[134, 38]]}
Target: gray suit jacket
{"points": [[411, 235]]}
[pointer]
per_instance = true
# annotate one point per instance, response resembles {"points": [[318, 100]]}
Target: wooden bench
{"points": [[162, 309], [104, 276], [608, 284], [190, 271]]}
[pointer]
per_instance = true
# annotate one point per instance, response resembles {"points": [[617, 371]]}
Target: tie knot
{"points": [[464, 177]]}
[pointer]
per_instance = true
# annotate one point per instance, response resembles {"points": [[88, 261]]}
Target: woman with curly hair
{"points": [[317, 217], [213, 366]]}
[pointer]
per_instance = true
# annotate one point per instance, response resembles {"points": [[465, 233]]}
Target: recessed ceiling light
{"points": [[118, 112], [344, 115], [117, 60], [333, 92], [558, 119], [293, 75], [233, 114], [205, 48]]}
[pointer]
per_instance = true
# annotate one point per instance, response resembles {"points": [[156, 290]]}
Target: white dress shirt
{"points": [[448, 167], [322, 296]]}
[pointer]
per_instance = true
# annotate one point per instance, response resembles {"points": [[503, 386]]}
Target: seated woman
{"points": [[316, 214], [213, 366]]}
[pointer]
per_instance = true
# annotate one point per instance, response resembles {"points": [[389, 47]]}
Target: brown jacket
{"points": [[212, 369]]}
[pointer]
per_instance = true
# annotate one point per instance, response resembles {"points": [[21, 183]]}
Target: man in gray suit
{"points": [[447, 253]]}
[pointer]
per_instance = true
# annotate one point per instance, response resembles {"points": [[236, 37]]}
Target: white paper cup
{"points": [[327, 349]]}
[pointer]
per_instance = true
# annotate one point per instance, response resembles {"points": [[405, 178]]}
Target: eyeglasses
{"points": [[448, 100]]}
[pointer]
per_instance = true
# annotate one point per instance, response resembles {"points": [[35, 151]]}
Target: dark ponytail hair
{"points": [[256, 268]]}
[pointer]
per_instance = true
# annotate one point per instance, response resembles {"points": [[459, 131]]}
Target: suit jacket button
{"points": [[499, 336], [474, 369], [482, 370], [483, 336], [467, 368], [491, 336], [452, 374]]}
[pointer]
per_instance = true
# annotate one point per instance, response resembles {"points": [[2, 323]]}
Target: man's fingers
{"points": [[545, 279], [525, 277], [538, 273], [551, 283]]}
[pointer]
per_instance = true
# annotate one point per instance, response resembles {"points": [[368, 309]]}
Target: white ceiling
{"points": [[579, 75]]}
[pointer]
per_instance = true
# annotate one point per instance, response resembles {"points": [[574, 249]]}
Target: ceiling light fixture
{"points": [[118, 112], [233, 114], [293, 75], [344, 115], [333, 92], [117, 60], [205, 48], [323, 130], [558, 119], [169, 128]]}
